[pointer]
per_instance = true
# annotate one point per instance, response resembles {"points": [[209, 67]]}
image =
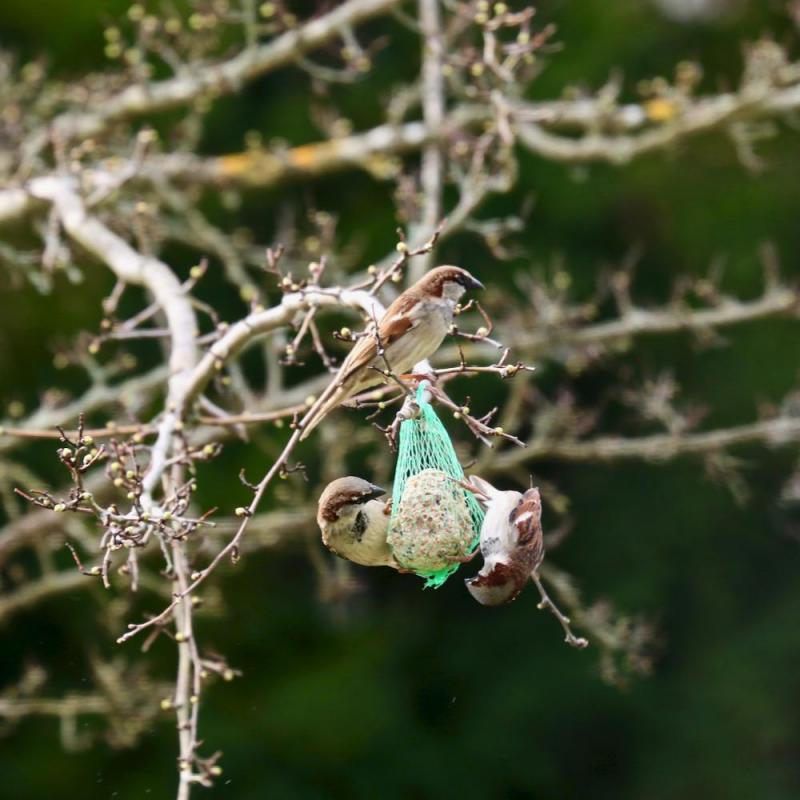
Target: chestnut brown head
{"points": [[496, 586], [447, 281], [342, 494]]}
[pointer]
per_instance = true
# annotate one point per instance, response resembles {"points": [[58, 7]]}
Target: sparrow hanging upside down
{"points": [[354, 523], [410, 331], [511, 543]]}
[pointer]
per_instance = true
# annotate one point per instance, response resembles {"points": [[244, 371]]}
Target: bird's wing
{"points": [[393, 324], [526, 518], [398, 319]]}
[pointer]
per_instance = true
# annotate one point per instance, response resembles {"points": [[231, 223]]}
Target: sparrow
{"points": [[354, 523], [511, 543], [411, 330]]}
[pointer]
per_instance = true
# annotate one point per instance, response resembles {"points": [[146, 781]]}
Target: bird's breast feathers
{"points": [[497, 531], [427, 329]]}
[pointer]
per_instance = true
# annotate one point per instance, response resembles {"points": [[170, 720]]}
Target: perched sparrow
{"points": [[354, 524], [511, 543], [411, 330]]}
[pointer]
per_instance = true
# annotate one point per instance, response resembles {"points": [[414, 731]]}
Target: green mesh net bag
{"points": [[435, 522]]}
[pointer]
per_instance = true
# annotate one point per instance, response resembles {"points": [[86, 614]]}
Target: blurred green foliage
{"points": [[411, 694]]}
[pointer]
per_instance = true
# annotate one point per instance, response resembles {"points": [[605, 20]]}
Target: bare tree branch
{"points": [[223, 78], [433, 109], [660, 447]]}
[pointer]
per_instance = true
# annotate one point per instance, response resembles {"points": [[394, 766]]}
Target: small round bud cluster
{"points": [[660, 109]]}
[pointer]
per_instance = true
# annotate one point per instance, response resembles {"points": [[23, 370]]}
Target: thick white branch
{"points": [[660, 447], [640, 321], [14, 203], [692, 118], [132, 267], [627, 137], [261, 322], [433, 109]]}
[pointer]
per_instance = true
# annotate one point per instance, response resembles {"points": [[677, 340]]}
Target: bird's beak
{"points": [[373, 492], [474, 283]]}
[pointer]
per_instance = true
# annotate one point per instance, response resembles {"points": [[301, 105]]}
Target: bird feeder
{"points": [[435, 522]]}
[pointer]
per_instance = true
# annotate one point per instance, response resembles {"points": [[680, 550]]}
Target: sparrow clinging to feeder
{"points": [[511, 543], [354, 523], [410, 331]]}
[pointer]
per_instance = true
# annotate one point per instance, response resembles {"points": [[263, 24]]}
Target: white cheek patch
{"points": [[453, 291]]}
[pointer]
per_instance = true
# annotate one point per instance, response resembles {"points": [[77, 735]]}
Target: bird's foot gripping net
{"points": [[435, 523]]}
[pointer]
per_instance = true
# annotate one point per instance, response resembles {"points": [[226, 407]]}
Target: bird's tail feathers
{"points": [[482, 487], [328, 400]]}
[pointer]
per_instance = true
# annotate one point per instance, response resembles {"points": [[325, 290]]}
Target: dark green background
{"points": [[411, 694]]}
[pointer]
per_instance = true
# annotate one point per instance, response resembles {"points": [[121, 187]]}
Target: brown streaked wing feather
{"points": [[391, 329], [393, 324], [401, 305], [397, 319], [526, 518]]}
